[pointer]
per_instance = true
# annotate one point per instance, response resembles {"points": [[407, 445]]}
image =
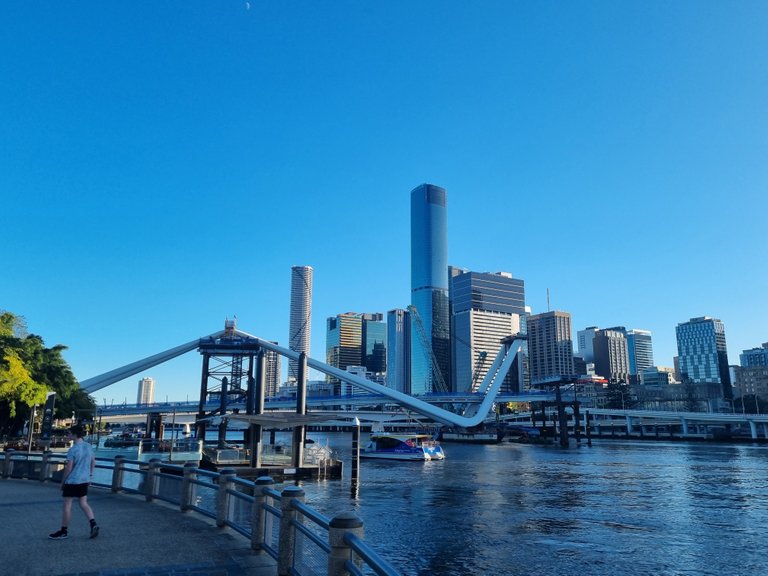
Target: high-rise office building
{"points": [[146, 393], [611, 356], [300, 329], [399, 350], [754, 357], [354, 339], [584, 341], [429, 289], [550, 346], [344, 340], [640, 350], [485, 309], [272, 377], [374, 342], [702, 353]]}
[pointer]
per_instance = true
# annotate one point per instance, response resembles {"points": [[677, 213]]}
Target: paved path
{"points": [[137, 538]]}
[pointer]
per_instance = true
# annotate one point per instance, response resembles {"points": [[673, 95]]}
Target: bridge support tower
{"points": [[229, 363]]}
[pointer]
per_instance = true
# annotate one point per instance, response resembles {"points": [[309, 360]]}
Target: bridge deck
{"points": [[136, 538]]}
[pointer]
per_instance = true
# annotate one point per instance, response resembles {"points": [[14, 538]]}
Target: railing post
{"points": [[151, 480], [340, 550], [7, 463], [287, 531], [188, 486], [259, 514], [45, 465], [222, 497], [117, 473]]}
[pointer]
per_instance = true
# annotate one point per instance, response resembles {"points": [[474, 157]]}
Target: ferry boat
{"points": [[405, 446]]}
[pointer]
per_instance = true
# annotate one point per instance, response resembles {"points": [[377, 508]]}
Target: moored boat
{"points": [[406, 446], [471, 437]]}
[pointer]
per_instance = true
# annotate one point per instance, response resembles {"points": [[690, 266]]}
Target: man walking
{"points": [[74, 484]]}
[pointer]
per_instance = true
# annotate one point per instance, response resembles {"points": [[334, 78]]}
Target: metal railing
{"points": [[302, 540]]}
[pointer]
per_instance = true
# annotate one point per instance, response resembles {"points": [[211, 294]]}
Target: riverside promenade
{"points": [[137, 538]]}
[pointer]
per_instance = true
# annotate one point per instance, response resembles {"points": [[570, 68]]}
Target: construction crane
{"points": [[437, 375]]}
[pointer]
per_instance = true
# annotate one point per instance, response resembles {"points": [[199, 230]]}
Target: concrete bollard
{"points": [[261, 521], [285, 550], [222, 497], [188, 486], [45, 466], [150, 483], [8, 463], [117, 474], [340, 550]]}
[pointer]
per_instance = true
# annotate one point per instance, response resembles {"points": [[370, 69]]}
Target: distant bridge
{"points": [[351, 401]]}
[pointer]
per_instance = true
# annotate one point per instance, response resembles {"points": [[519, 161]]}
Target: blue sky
{"points": [[164, 164]]}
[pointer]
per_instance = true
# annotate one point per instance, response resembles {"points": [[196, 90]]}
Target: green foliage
{"points": [[17, 385], [28, 370], [619, 395]]}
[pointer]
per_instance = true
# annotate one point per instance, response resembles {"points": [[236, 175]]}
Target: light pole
{"points": [[31, 427]]}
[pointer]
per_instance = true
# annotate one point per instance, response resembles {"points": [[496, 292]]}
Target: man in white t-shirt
{"points": [[74, 484]]}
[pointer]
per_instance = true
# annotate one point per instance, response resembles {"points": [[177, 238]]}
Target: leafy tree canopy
{"points": [[17, 385], [28, 370]]}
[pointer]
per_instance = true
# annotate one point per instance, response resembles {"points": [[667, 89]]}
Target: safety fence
{"points": [[303, 541]]}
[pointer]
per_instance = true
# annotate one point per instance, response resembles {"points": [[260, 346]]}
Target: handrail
{"points": [[246, 507], [371, 558]]}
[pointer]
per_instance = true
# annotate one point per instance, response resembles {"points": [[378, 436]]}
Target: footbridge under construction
{"points": [[236, 387], [237, 384]]}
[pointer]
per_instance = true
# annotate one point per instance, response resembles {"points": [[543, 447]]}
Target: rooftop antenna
{"points": [[548, 308]]}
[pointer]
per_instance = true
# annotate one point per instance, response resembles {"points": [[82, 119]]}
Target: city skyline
{"points": [[163, 169]]}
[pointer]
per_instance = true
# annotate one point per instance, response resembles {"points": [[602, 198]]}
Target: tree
{"points": [[17, 385], [619, 395], [28, 370]]}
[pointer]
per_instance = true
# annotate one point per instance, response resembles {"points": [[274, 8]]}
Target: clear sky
{"points": [[164, 164]]}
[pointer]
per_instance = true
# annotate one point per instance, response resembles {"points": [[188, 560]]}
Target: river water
{"points": [[618, 507]]}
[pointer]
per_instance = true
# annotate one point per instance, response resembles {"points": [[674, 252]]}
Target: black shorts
{"points": [[74, 490]]}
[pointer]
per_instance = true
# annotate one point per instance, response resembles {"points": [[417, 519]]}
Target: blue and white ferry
{"points": [[402, 446]]}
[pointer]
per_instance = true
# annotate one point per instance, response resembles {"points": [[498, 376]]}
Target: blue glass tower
{"points": [[429, 289], [703, 354]]}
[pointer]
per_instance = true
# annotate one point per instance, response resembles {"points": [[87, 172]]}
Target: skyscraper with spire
{"points": [[429, 289], [300, 329]]}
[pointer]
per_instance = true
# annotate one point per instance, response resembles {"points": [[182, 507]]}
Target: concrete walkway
{"points": [[136, 538]]}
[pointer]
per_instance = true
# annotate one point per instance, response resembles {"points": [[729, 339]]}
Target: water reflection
{"points": [[630, 508]]}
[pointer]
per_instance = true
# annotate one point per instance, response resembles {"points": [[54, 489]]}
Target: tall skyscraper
{"points": [[374, 344], [343, 340], [702, 353], [354, 339], [300, 329], [429, 288], [611, 356], [640, 349], [146, 393], [584, 339], [272, 377], [399, 350], [550, 346], [485, 309]]}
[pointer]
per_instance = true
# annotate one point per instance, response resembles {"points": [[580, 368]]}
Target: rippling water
{"points": [[628, 508]]}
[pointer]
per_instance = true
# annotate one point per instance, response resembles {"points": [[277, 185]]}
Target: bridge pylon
{"points": [[228, 376]]}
